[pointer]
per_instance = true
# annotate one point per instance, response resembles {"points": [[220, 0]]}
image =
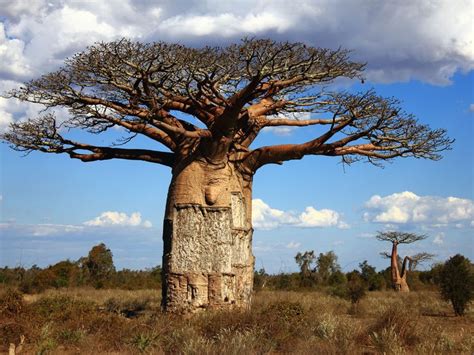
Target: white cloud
{"points": [[311, 217], [293, 245], [43, 229], [13, 110], [118, 219], [439, 239], [286, 130], [225, 24], [266, 217], [407, 207], [399, 40], [107, 220], [14, 63], [282, 131], [471, 108]]}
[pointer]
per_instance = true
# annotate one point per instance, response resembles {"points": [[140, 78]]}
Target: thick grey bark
{"points": [[207, 259]]}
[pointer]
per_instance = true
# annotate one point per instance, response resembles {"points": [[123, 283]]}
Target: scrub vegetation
{"points": [[317, 310]]}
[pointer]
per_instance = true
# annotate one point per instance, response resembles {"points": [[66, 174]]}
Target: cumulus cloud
{"points": [[107, 221], [118, 219], [287, 130], [439, 239], [293, 245], [399, 40], [471, 108], [407, 207], [266, 217]]}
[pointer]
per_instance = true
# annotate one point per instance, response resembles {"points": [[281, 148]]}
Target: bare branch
{"points": [[400, 237], [42, 134], [235, 91]]}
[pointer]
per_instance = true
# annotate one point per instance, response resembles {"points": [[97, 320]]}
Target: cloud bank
{"points": [[118, 219], [408, 208], [425, 40], [265, 217]]}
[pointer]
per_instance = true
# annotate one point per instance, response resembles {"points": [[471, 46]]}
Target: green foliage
{"points": [[431, 276], [95, 270], [100, 265], [337, 278], [457, 283], [326, 266], [356, 288], [372, 279], [305, 261]]}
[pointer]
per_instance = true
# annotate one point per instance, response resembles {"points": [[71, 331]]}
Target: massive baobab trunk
{"points": [[399, 280], [208, 261]]}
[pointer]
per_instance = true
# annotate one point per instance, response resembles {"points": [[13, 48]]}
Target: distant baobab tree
{"points": [[399, 270], [232, 93], [413, 261]]}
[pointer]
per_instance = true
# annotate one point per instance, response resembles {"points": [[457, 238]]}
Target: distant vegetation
{"points": [[96, 270], [317, 273], [87, 306]]}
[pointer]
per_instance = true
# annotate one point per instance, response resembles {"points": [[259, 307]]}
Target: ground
{"points": [[82, 321]]}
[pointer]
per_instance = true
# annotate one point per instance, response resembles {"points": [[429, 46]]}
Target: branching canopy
{"points": [[414, 260], [235, 92], [399, 237]]}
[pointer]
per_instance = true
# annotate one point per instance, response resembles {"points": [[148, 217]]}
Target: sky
{"points": [[54, 208]]}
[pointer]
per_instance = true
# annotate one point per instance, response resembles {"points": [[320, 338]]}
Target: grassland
{"points": [[88, 321]]}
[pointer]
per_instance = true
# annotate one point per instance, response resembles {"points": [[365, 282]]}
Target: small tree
{"points": [[457, 283], [327, 265], [355, 287], [399, 278], [100, 265], [373, 280], [306, 262]]}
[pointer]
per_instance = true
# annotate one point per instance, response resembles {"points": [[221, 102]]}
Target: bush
{"points": [[355, 288], [11, 303], [457, 283]]}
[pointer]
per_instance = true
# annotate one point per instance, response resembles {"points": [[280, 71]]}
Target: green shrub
{"points": [[356, 288], [457, 283]]}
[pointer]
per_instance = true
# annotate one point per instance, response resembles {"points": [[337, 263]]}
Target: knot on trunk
{"points": [[211, 194]]}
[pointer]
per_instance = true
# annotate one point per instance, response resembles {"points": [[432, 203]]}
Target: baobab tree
{"points": [[413, 261], [399, 277], [203, 108]]}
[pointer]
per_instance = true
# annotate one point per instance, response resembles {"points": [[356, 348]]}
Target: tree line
{"points": [[454, 278], [96, 270]]}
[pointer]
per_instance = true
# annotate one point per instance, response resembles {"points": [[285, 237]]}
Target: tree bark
{"points": [[207, 236], [399, 281]]}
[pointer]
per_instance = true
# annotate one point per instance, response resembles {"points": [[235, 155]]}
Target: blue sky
{"points": [[53, 208]]}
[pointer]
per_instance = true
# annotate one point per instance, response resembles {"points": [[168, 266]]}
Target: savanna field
{"points": [[90, 321]]}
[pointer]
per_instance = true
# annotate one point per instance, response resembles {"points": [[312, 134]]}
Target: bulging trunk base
{"points": [[207, 262], [401, 285]]}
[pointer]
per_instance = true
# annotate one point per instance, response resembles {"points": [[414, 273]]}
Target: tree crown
{"points": [[234, 92], [400, 237]]}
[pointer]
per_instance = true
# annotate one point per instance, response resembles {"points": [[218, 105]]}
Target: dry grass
{"points": [[130, 322]]}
